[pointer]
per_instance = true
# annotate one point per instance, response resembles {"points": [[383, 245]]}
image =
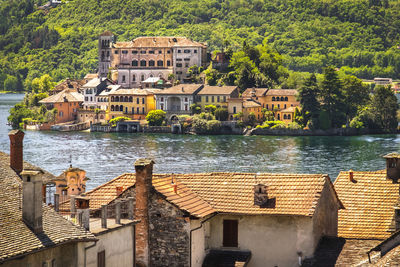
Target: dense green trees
{"points": [[359, 36], [308, 95], [156, 117]]}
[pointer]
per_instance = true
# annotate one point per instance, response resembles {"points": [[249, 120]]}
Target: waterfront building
{"points": [[368, 227], [67, 104], [147, 57], [235, 106], [91, 92], [210, 219], [216, 95], [32, 233], [132, 103], [252, 106], [177, 100]]}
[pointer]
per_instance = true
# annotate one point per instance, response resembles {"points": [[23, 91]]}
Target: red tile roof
{"points": [[369, 203]]}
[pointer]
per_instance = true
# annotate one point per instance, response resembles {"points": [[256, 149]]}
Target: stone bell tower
{"points": [[106, 40]]}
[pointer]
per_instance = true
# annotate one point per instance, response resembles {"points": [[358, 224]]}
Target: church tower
{"points": [[106, 39]]}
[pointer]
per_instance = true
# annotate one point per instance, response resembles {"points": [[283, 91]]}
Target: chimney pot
{"points": [[32, 200], [16, 150], [393, 167], [351, 176], [144, 173]]}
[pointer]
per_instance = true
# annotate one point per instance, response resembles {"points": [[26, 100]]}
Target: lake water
{"points": [[107, 155]]}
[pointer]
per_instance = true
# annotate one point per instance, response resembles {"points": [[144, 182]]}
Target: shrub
{"points": [[213, 126], [199, 125], [210, 108], [156, 117], [355, 123], [206, 116], [113, 122], [279, 126], [294, 126], [221, 114]]}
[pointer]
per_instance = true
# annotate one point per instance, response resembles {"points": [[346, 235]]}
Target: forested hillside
{"points": [[362, 37]]}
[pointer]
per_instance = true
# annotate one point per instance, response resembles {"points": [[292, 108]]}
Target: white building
{"points": [[91, 91]]}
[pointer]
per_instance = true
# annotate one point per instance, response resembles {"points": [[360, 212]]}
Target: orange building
{"points": [[67, 103], [71, 182], [252, 106]]}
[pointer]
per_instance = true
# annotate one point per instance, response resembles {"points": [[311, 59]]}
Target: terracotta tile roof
{"points": [[67, 84], [282, 92], [217, 90], [204, 193], [90, 76], [16, 239], [182, 89], [251, 104], [106, 33], [129, 92], [259, 92], [69, 94], [159, 41], [369, 204]]}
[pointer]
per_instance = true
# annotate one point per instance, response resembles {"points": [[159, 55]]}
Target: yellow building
{"points": [[216, 95], [286, 115], [131, 103], [252, 106], [235, 105]]}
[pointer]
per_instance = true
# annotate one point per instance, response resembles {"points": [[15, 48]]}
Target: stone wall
{"points": [[330, 132], [168, 233], [157, 129]]}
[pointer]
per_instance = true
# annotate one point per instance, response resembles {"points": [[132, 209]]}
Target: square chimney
{"points": [[16, 150], [261, 197], [32, 199], [393, 167]]}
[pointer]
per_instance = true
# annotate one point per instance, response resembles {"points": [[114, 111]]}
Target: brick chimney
{"points": [[32, 200], [16, 150], [393, 167], [144, 173]]}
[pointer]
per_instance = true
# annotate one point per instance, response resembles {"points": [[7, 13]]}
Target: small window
{"points": [[116, 52], [134, 78], [224, 98], [230, 233], [124, 52], [273, 98], [195, 51], [151, 52], [288, 116], [137, 109], [186, 51], [186, 99], [186, 59], [143, 100], [159, 51], [168, 51], [134, 63], [160, 63], [168, 63], [142, 78], [178, 65], [179, 51], [143, 110], [186, 65], [151, 63], [143, 52], [178, 59], [134, 51], [162, 99], [207, 98], [143, 63], [162, 106], [212, 99], [218, 99], [123, 78]]}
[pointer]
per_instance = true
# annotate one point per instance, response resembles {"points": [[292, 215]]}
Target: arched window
{"points": [[117, 99], [134, 78], [273, 98], [112, 98], [151, 75], [282, 98], [286, 98], [121, 108], [279, 116], [288, 116], [151, 63], [160, 75], [168, 63], [160, 63], [135, 63], [130, 99], [143, 63], [142, 78], [112, 107], [126, 99], [284, 116]]}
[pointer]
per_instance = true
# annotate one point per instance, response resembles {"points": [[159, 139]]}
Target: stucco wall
{"points": [[118, 246], [198, 242], [272, 240], [64, 255]]}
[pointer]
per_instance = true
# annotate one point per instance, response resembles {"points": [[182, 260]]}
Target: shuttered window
{"points": [[230, 233]]}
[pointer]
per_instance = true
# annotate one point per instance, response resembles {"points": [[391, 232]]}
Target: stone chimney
{"points": [[32, 200], [261, 198], [144, 173], [393, 167], [83, 211], [16, 150]]}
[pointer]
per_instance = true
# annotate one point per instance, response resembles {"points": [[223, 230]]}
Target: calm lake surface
{"points": [[107, 155]]}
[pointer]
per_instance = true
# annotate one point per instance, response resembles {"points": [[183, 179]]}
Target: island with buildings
{"points": [[157, 84]]}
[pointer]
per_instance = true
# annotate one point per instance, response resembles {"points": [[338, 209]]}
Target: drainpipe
{"points": [[86, 248], [190, 239]]}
